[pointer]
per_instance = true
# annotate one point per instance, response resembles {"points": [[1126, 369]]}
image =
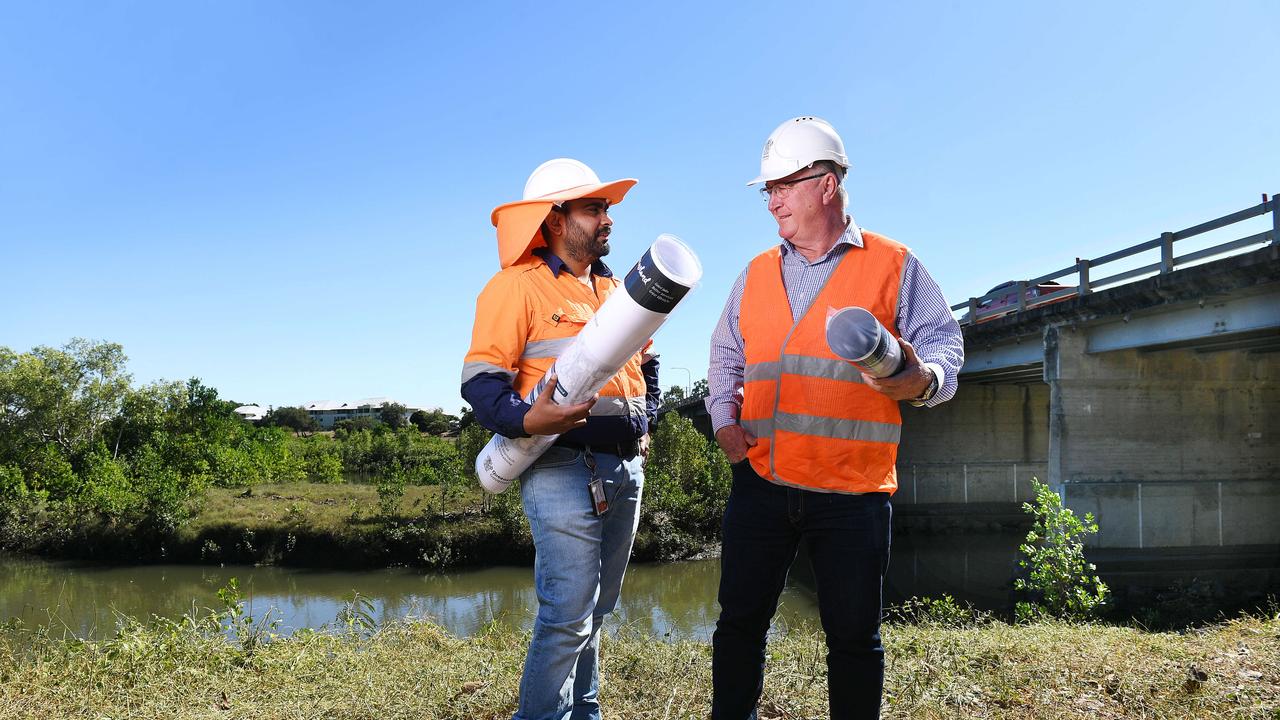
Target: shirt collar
{"points": [[852, 235], [554, 262]]}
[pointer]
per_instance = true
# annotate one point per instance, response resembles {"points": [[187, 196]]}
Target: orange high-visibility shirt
{"points": [[525, 317]]}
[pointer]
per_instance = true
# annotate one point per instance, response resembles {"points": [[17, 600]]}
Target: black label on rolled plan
{"points": [[651, 289]]}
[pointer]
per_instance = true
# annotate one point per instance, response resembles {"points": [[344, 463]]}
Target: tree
{"points": [[393, 415], [294, 418], [700, 389], [144, 416], [672, 397], [62, 396], [687, 477], [434, 422], [357, 424]]}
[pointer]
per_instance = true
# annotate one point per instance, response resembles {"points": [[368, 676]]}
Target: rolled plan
{"points": [[618, 330], [857, 336]]}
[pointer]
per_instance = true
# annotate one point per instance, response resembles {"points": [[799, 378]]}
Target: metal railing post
{"points": [[1166, 252], [1275, 221], [1022, 295], [973, 310], [1082, 267]]}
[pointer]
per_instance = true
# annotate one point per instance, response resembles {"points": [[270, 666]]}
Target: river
{"points": [[670, 600]]}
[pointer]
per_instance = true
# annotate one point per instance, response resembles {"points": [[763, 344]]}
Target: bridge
{"points": [[1141, 386]]}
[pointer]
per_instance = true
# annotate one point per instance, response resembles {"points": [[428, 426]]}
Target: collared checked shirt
{"points": [[924, 320]]}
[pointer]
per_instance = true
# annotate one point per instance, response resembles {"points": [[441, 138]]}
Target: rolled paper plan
{"points": [[854, 334], [618, 330]]}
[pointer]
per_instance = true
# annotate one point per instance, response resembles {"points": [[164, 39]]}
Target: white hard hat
{"points": [[797, 144], [554, 177], [551, 183]]}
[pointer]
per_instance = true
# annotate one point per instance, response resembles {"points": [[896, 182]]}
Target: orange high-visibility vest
{"points": [[525, 318], [818, 426]]}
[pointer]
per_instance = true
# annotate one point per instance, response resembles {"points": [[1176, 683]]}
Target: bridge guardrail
{"points": [[1083, 267]]}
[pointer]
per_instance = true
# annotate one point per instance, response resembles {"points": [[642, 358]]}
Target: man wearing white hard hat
{"points": [[552, 281], [812, 439]]}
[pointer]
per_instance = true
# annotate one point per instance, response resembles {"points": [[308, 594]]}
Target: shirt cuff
{"points": [[940, 375], [723, 413]]}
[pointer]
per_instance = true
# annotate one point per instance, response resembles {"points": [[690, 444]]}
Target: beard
{"points": [[585, 246]]}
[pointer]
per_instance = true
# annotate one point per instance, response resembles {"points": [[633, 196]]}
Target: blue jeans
{"points": [[847, 537], [578, 573]]}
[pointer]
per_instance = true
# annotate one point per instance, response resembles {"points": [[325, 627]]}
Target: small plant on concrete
{"points": [[1060, 582]]}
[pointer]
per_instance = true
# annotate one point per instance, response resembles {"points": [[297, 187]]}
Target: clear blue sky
{"points": [[290, 200]]}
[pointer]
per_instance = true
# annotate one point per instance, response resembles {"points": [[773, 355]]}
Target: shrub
{"points": [[168, 497], [105, 487], [390, 488], [1061, 583], [687, 480], [13, 488], [324, 468], [939, 612], [50, 473], [232, 467], [471, 441]]}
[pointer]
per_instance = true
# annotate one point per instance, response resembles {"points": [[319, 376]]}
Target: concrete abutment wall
{"points": [[1167, 448]]}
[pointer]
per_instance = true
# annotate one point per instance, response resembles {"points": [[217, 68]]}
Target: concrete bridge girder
{"points": [[1211, 318]]}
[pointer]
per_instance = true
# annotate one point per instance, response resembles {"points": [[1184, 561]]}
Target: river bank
{"points": [[966, 669], [316, 525]]}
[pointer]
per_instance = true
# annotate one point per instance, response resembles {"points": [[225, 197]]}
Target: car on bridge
{"points": [[1006, 301]]}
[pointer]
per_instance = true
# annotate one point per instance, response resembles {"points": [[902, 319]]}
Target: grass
{"points": [[336, 508], [417, 670], [342, 525]]}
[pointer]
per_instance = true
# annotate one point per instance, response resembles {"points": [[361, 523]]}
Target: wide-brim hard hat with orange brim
{"points": [[554, 182]]}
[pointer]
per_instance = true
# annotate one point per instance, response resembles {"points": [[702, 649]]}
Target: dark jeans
{"points": [[847, 538]]}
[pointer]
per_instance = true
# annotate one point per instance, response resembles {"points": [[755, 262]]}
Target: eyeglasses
{"points": [[783, 189]]}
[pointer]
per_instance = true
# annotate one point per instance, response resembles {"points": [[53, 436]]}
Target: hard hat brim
{"points": [[518, 222]]}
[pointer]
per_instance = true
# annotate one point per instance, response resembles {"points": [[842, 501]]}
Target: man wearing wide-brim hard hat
{"points": [[552, 282], [553, 183]]}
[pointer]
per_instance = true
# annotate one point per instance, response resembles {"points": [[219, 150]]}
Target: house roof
{"points": [[370, 402]]}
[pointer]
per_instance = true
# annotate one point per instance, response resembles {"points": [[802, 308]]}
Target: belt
{"points": [[626, 450]]}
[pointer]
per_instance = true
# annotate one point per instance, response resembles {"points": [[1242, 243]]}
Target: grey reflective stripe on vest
{"points": [[610, 406], [834, 369], [473, 369], [762, 428], [818, 426], [806, 365], [638, 406], [541, 349], [760, 371], [614, 405], [838, 428]]}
